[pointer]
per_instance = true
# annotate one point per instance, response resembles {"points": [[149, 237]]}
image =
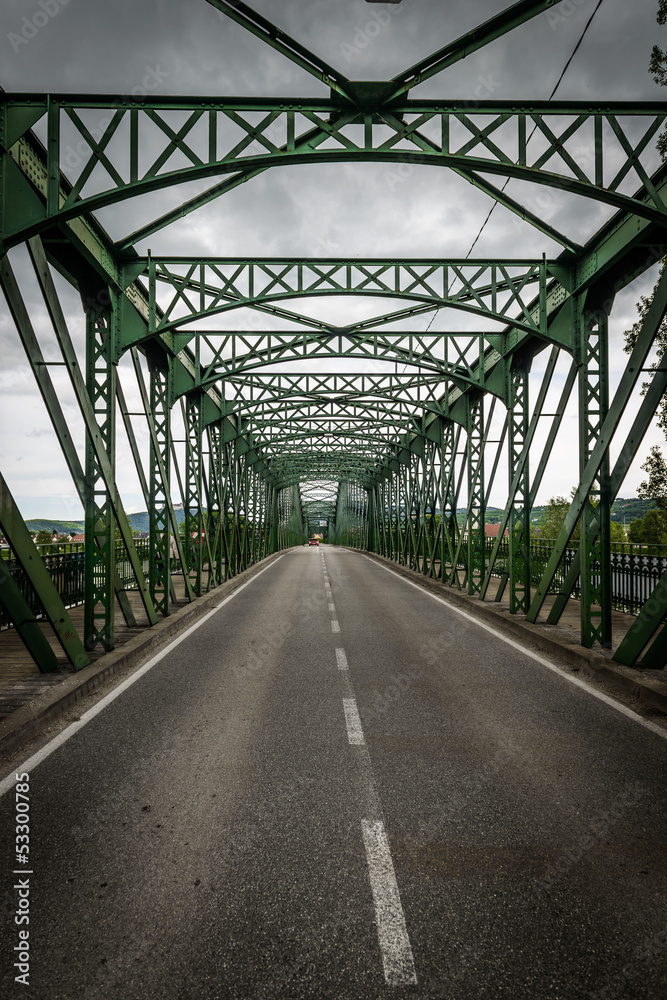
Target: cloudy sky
{"points": [[175, 47]]}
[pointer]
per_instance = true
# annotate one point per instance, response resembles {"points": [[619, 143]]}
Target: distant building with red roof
{"points": [[491, 531]]}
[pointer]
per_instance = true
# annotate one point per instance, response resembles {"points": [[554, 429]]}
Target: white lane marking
{"points": [[335, 627], [399, 966], [355, 733], [46, 751], [332, 607], [533, 656], [341, 659]]}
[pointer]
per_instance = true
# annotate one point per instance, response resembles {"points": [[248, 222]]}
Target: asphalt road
{"points": [[337, 787]]}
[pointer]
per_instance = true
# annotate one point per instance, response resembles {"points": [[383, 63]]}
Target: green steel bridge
{"points": [[372, 433]]}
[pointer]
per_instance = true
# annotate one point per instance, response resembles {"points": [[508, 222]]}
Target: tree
{"points": [[655, 487], [553, 518], [658, 68], [652, 528], [44, 537], [649, 530], [616, 532], [554, 515]]}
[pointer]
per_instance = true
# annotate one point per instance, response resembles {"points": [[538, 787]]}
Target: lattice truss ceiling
{"points": [[326, 402]]}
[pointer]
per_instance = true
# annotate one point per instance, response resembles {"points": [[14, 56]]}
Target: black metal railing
{"points": [[635, 569], [64, 563]]}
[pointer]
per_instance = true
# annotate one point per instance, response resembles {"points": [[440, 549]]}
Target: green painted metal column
{"points": [[595, 548], [160, 481], [213, 434], [274, 524], [476, 499], [519, 524], [194, 514], [449, 532], [229, 509], [371, 503], [100, 522]]}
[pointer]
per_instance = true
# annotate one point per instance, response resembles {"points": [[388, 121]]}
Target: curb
{"points": [[649, 690], [27, 720]]}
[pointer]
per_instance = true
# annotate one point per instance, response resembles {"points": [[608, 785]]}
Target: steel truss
{"points": [[379, 435]]}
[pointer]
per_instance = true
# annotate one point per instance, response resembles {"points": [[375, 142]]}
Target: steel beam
{"points": [[18, 536], [636, 363]]}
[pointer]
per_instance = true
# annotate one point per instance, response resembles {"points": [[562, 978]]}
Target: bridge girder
{"points": [[384, 447]]}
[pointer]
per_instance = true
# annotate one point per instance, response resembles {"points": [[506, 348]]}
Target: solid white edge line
{"points": [[29, 765], [341, 659], [628, 712], [397, 959], [355, 733]]}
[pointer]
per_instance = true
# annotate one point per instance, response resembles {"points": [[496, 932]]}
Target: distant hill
{"points": [[62, 527], [139, 522], [630, 510], [623, 511]]}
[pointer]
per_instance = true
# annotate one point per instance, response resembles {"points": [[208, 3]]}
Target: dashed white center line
{"points": [[355, 733], [341, 659], [399, 966], [332, 607], [397, 959], [335, 627]]}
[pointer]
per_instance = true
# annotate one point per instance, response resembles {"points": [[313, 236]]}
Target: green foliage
{"points": [[554, 515], [658, 69], [649, 530], [626, 511], [655, 487], [553, 518], [652, 528], [616, 532], [660, 343], [44, 537]]}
